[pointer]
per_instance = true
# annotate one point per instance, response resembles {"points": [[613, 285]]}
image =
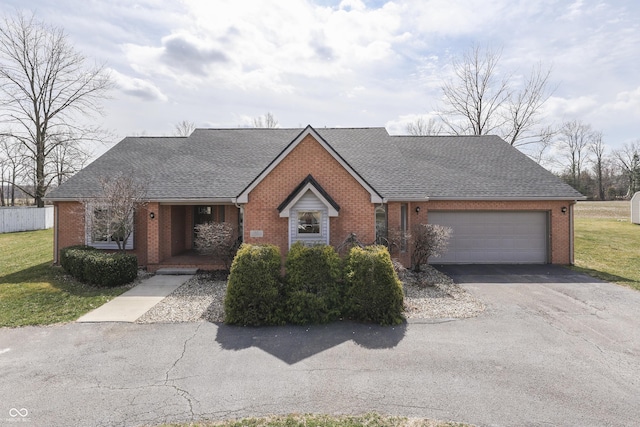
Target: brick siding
{"points": [[308, 157]]}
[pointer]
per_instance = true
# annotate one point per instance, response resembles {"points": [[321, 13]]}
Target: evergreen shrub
{"points": [[254, 288], [374, 290]]}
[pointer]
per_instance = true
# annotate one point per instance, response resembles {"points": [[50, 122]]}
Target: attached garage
{"points": [[494, 237]]}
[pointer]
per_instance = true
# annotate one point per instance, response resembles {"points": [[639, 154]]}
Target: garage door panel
{"points": [[494, 237]]}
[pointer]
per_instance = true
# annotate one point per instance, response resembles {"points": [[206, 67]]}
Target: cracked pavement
{"points": [[548, 351]]}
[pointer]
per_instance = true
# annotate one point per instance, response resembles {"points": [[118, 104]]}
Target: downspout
{"points": [[571, 254], [240, 217]]}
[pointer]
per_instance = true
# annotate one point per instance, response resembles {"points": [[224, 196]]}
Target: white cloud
{"points": [[346, 62], [264, 44], [627, 102], [559, 108], [138, 88]]}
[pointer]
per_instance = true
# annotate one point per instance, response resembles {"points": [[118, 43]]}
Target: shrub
{"points": [[314, 292], [428, 240], [89, 265], [106, 269], [254, 287], [303, 308], [218, 239], [72, 259], [374, 290]]}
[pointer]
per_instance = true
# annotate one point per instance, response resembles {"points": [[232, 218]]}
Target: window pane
{"points": [[381, 225], [100, 226], [309, 222]]}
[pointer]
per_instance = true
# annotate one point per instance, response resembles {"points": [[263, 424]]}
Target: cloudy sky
{"points": [[220, 63]]}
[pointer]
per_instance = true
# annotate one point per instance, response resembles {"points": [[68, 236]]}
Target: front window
{"points": [[309, 222], [381, 225], [403, 226], [105, 230]]}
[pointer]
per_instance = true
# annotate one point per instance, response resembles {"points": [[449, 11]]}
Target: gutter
{"points": [[488, 199]]}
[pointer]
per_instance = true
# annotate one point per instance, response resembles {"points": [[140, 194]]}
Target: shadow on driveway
{"points": [[292, 344], [513, 273]]}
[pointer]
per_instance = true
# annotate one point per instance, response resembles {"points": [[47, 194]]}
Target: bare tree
{"points": [[540, 151], [574, 141], [598, 149], [268, 121], [65, 160], [12, 168], [422, 127], [218, 239], [184, 128], [428, 240], [481, 100], [111, 213], [628, 158], [45, 88]]}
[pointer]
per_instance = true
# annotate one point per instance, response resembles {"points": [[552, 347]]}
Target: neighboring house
{"points": [[280, 186]]}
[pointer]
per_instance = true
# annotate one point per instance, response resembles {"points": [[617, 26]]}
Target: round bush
{"points": [[374, 290], [314, 292], [254, 288]]}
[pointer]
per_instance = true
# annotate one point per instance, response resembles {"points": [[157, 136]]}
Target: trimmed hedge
{"points": [[374, 290], [254, 289], [314, 292], [72, 259], [95, 267]]}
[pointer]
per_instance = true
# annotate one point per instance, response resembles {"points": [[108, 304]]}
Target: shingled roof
{"points": [[218, 164]]}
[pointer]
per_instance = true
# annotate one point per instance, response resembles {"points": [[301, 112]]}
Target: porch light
{"points": [[563, 209], [152, 215], [417, 209]]}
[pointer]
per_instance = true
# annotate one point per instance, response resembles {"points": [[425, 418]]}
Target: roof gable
{"points": [[243, 197], [308, 184]]}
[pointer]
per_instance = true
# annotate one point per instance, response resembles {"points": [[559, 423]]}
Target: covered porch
{"points": [[170, 234]]}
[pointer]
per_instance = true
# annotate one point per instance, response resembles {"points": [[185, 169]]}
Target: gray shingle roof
{"points": [[220, 163]]}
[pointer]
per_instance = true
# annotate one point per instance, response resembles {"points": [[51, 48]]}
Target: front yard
{"points": [[32, 292]]}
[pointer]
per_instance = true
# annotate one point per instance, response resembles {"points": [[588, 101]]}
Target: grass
{"points": [[33, 292], [368, 420], [607, 244]]}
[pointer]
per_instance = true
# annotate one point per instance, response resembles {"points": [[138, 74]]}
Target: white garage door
{"points": [[493, 237]]}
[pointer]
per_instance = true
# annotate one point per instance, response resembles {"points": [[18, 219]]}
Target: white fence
{"points": [[25, 218]]}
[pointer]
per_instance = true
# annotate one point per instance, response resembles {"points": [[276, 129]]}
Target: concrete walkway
{"points": [[132, 304]]}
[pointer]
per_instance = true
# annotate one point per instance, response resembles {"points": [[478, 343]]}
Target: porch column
{"points": [[153, 233]]}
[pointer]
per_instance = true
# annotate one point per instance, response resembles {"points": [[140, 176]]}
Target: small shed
{"points": [[635, 208]]}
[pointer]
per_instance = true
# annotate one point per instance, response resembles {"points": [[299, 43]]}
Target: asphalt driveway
{"points": [[546, 352]]}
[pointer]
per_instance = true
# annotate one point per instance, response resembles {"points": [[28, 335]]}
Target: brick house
{"points": [[280, 186]]}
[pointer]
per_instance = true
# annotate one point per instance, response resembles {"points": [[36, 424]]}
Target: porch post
{"points": [[153, 233]]}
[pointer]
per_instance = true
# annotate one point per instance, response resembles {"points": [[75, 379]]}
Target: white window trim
{"points": [[88, 235], [331, 211]]}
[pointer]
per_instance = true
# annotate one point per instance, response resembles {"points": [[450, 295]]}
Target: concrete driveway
{"points": [[548, 352]]}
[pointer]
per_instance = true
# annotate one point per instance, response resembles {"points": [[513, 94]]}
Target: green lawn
{"points": [[607, 244], [32, 292]]}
